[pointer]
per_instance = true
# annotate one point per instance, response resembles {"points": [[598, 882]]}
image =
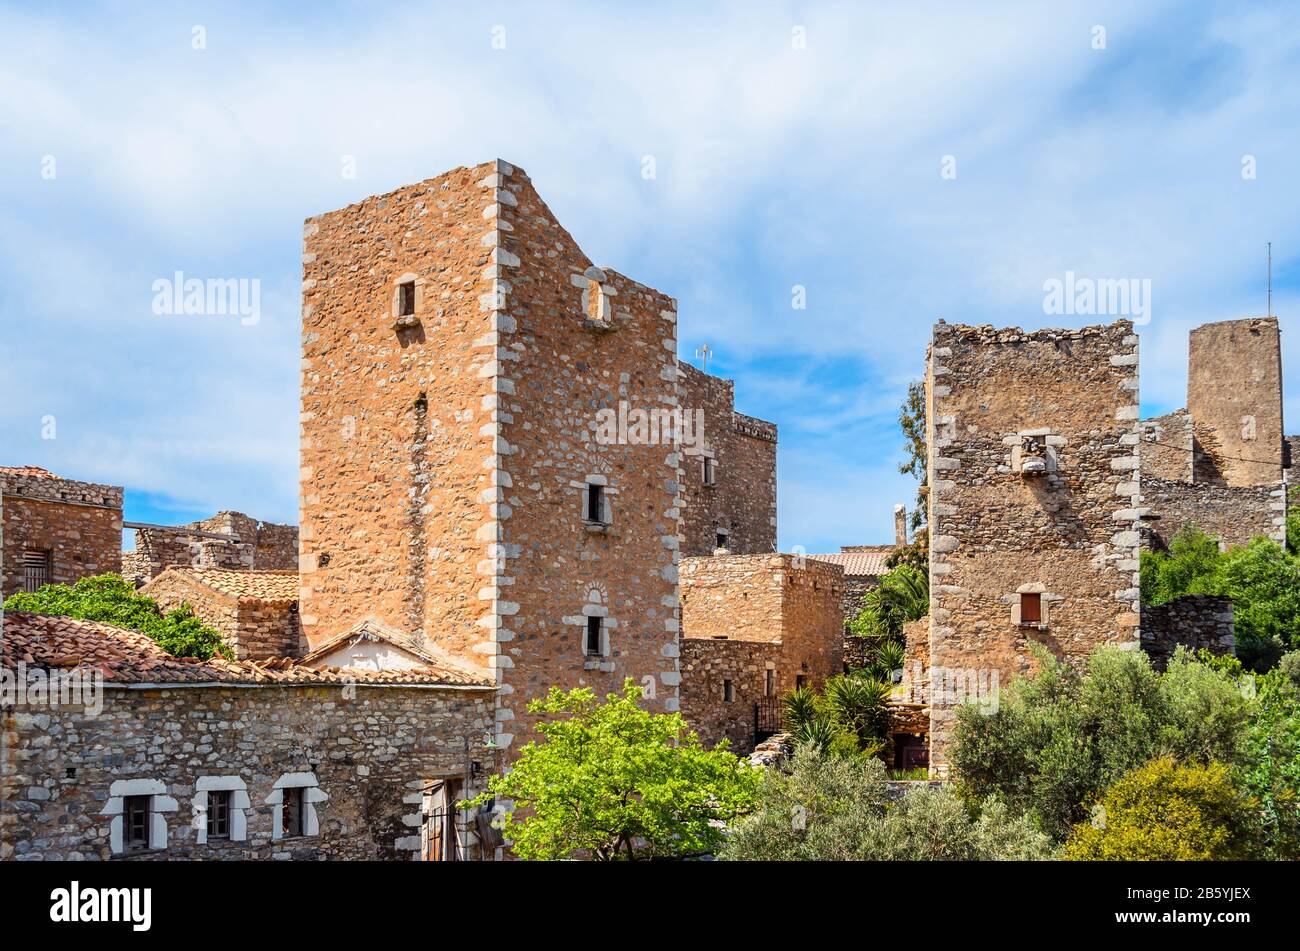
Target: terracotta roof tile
{"points": [[859, 564], [271, 587], [124, 656]]}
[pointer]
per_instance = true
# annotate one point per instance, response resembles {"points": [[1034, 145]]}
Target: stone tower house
{"points": [[1218, 465], [1234, 396], [458, 347], [1033, 503]]}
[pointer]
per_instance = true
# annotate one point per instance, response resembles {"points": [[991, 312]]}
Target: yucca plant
{"points": [[888, 657], [860, 704], [817, 732], [800, 708]]}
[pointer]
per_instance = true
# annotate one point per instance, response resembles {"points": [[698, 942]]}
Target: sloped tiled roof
{"points": [[269, 587], [32, 471], [373, 629], [128, 657], [859, 564]]}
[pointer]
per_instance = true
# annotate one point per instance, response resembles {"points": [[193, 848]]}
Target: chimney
{"points": [[900, 524]]}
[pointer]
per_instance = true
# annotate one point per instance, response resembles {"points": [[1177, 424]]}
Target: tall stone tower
{"points": [[1033, 474], [1234, 396], [459, 350]]}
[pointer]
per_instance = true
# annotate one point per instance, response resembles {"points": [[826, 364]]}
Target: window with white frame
{"points": [[137, 813], [591, 643], [294, 799], [220, 809]]}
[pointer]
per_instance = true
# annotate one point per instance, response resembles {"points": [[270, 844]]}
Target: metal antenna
{"points": [[703, 354], [1270, 279]]}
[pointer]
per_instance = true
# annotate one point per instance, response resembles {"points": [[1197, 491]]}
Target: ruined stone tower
{"points": [[1234, 396], [1218, 465], [458, 347], [1033, 503]]}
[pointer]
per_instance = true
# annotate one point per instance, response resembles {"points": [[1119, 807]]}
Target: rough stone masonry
{"points": [[1033, 505], [458, 347]]}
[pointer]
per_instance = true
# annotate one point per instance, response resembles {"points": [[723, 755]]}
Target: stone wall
{"points": [[741, 504], [1166, 447], [1234, 391], [260, 546], [254, 629], [447, 454], [1034, 488], [78, 523], [1235, 514], [370, 753], [1194, 621], [707, 666], [743, 615]]}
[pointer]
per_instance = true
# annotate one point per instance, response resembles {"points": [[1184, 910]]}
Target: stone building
{"points": [[146, 756], [55, 530], [729, 478], [225, 540], [255, 611], [1219, 465], [755, 627], [1033, 503], [461, 484]]}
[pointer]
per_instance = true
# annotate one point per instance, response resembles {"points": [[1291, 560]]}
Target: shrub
{"points": [[833, 809], [1059, 738], [110, 599], [1164, 811]]}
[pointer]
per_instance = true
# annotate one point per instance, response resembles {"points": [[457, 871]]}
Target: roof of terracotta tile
{"points": [[128, 657], [859, 564], [36, 471], [270, 587]]}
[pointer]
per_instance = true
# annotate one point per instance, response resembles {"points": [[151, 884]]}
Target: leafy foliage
{"points": [[1262, 579], [835, 809], [911, 417], [849, 718], [112, 600], [903, 595], [1058, 739], [1271, 771], [613, 781], [1166, 811]]}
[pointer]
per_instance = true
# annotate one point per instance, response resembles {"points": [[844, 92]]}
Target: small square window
{"points": [[406, 299], [591, 646], [721, 540], [710, 471], [135, 822], [291, 811], [596, 503], [1031, 608], [728, 691], [219, 814]]}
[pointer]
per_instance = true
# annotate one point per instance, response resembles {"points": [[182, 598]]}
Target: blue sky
{"points": [[774, 166]]}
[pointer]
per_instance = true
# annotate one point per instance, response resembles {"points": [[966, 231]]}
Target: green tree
{"points": [[1057, 739], [1261, 578], [1165, 811], [112, 600], [834, 809], [613, 781], [911, 417], [903, 595]]}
